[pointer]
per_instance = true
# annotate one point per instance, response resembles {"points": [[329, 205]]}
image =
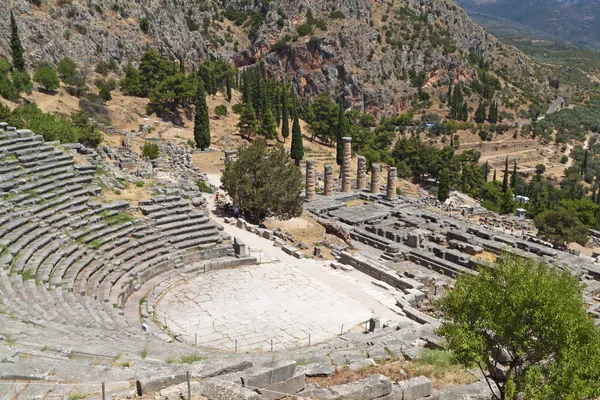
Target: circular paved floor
{"points": [[255, 304]]}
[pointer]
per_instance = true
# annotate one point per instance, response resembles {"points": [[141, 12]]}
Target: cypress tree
{"points": [[297, 149], [449, 94], [486, 171], [201, 122], [505, 180], [515, 177], [340, 132], [247, 122], [480, 113], [584, 163], [494, 178], [285, 118], [593, 198], [212, 82], [444, 186], [464, 112], [15, 45], [228, 86], [267, 124]]}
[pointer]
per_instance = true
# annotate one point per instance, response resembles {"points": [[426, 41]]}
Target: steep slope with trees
{"points": [[377, 55]]}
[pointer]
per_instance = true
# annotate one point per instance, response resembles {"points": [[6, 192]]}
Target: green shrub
{"points": [[22, 81], [337, 14], [66, 67], [8, 89], [564, 159], [144, 24], [237, 108], [139, 184], [204, 187], [191, 143], [305, 29], [151, 150], [221, 110], [46, 76]]}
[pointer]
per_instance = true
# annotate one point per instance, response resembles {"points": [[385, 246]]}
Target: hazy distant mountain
{"points": [[575, 21]]}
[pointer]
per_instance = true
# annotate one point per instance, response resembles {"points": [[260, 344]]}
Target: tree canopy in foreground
{"points": [[263, 182], [533, 318]]}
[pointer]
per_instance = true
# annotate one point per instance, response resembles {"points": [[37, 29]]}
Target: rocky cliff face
{"points": [[374, 52]]}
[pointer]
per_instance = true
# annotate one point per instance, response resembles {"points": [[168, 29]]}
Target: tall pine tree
{"points": [[584, 163], [247, 122], [228, 86], [340, 132], [444, 186], [505, 181], [285, 118], [480, 113], [297, 149], [16, 48], [494, 178], [486, 171], [201, 121], [515, 177], [267, 124], [464, 112]]}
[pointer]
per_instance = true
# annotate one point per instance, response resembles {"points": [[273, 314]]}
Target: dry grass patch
{"points": [[439, 366], [355, 202], [486, 256], [131, 193]]}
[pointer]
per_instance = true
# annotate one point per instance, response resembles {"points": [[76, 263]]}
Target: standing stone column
{"points": [[361, 178], [391, 183], [375, 169], [346, 169], [310, 180], [328, 177]]}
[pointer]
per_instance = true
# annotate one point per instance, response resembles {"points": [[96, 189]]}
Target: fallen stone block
{"points": [[415, 388], [216, 390], [319, 369], [298, 254], [286, 388], [261, 377], [314, 391], [360, 364], [369, 388]]}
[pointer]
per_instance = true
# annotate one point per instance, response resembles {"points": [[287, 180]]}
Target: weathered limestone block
{"points": [[285, 388], [217, 390], [391, 183], [415, 388], [319, 369], [364, 389], [310, 180], [262, 377], [361, 178], [328, 177], [375, 171], [240, 248], [346, 169]]}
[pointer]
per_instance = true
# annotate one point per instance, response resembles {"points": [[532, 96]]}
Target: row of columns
{"points": [[361, 179]]}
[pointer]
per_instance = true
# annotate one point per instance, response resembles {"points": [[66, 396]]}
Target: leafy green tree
{"points": [[263, 182], [130, 84], [297, 149], [444, 186], [66, 68], [201, 121], [46, 76], [247, 123], [8, 89], [561, 226], [530, 318], [16, 48], [22, 81]]}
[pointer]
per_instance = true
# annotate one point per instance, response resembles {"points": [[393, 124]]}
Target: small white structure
{"points": [[521, 199], [521, 213]]}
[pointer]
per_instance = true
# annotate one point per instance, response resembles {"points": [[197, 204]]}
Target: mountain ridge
{"points": [[368, 52]]}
